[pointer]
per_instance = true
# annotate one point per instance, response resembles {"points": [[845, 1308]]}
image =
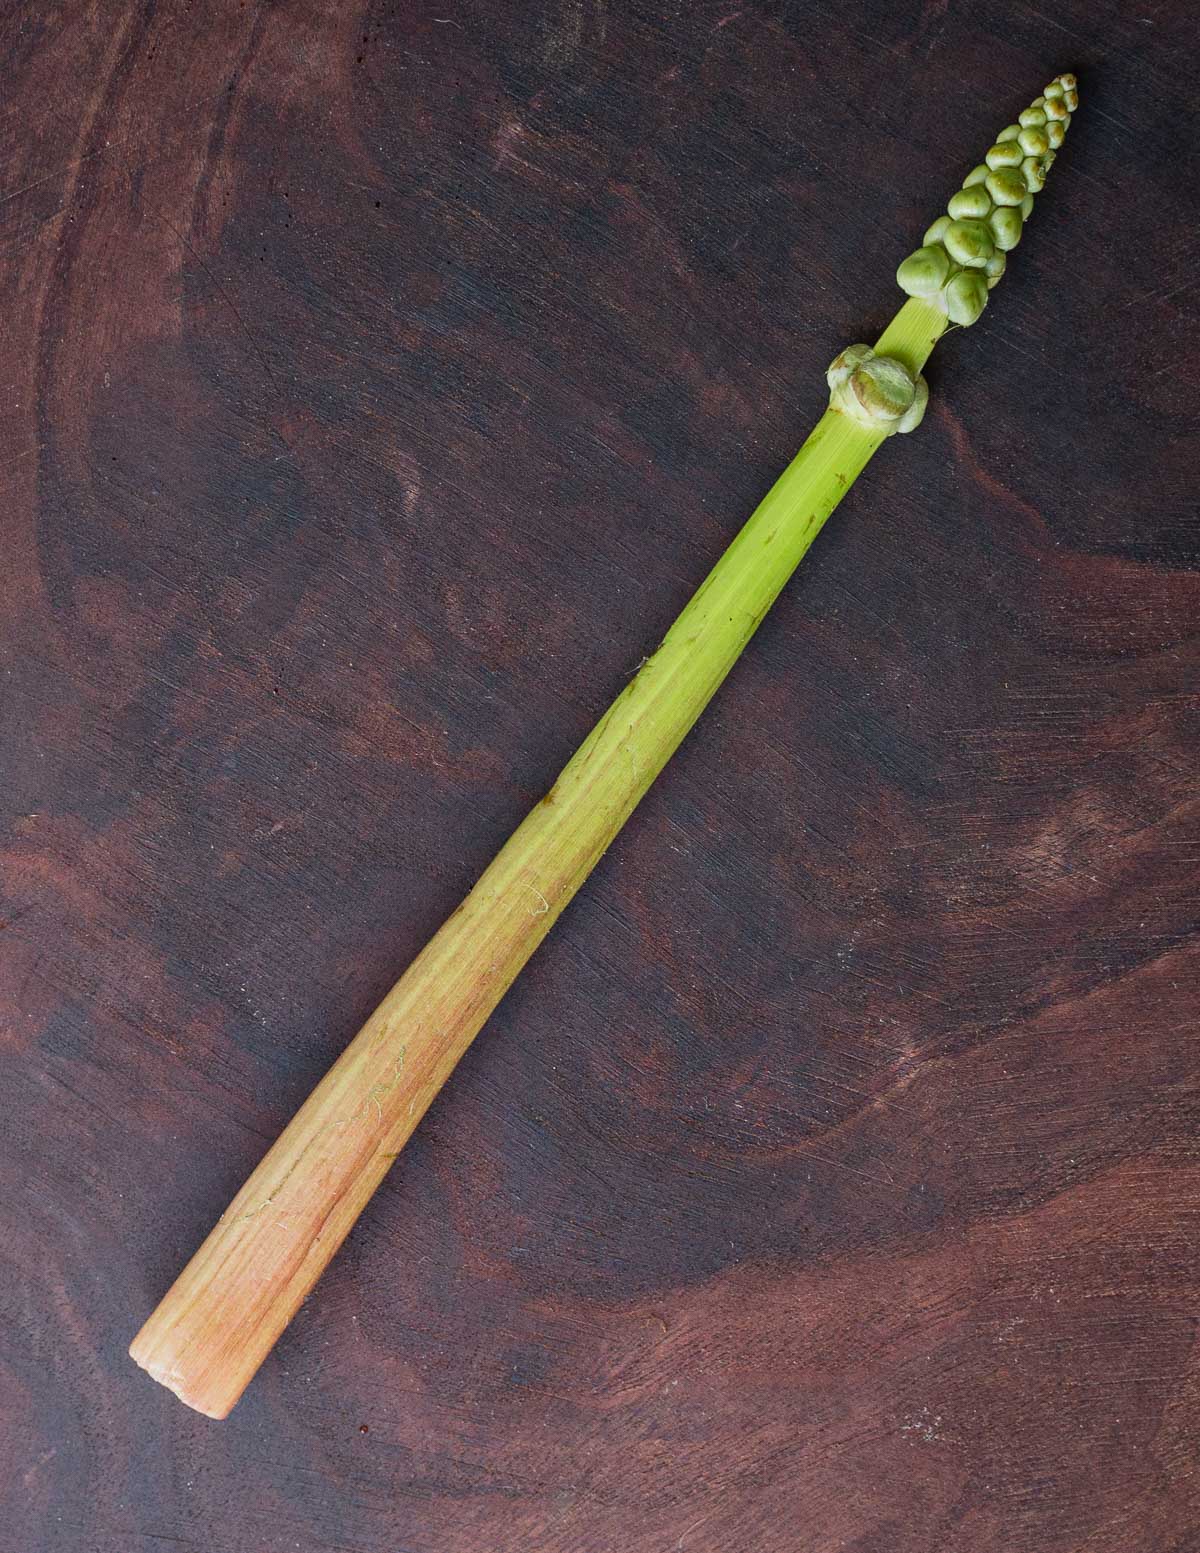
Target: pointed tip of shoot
{"points": [[963, 254]]}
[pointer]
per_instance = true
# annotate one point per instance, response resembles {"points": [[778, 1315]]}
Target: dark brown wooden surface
{"points": [[377, 382]]}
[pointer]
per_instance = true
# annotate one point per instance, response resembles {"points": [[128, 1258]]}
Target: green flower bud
{"points": [[969, 204], [964, 251], [966, 297], [1034, 142], [1005, 222], [969, 243], [924, 273], [1006, 186], [878, 392], [1005, 153], [884, 388]]}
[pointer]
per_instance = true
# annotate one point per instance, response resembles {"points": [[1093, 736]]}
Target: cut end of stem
{"points": [[163, 1370]]}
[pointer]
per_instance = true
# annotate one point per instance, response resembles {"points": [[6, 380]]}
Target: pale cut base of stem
{"points": [[225, 1311]]}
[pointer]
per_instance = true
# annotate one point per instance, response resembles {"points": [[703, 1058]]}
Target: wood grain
{"points": [[379, 382]]}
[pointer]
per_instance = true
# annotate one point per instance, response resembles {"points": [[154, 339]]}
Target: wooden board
{"points": [[379, 380]]}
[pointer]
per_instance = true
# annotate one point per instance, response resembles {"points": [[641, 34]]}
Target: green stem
{"points": [[641, 730], [218, 1322], [663, 701], [912, 334]]}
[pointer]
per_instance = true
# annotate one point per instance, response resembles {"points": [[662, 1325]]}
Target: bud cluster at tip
{"points": [[963, 253]]}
